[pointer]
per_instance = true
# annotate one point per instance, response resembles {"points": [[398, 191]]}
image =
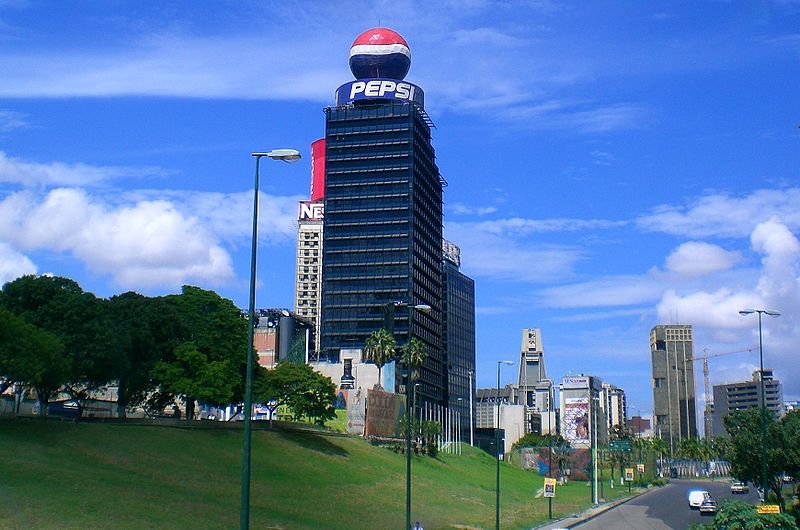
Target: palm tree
{"points": [[380, 349], [414, 355]]}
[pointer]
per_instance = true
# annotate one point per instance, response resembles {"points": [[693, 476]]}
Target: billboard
{"points": [[356, 412], [310, 211], [380, 88], [383, 414], [318, 170], [576, 420], [581, 381]]}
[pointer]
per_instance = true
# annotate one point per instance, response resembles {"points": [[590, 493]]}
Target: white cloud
{"points": [[519, 225], [463, 209], [722, 215], [10, 120], [13, 264], [605, 292], [141, 245], [16, 171], [695, 258]]}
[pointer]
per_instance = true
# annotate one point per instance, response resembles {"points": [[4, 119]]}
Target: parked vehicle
{"points": [[708, 506], [696, 498], [740, 487]]}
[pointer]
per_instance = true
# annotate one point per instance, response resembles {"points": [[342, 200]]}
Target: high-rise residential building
{"points": [[674, 406], [615, 405], [382, 232], [458, 337], [746, 395], [308, 268], [536, 391]]}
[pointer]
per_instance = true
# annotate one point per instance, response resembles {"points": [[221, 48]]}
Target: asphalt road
{"points": [[664, 508]]}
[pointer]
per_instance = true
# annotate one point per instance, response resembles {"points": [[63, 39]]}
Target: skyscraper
{"points": [[458, 337], [382, 242], [746, 395], [536, 391], [674, 407]]}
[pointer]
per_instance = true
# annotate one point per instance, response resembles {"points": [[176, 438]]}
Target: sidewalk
{"points": [[578, 518]]}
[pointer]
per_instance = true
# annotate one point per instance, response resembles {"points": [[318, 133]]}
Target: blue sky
{"points": [[611, 165]]}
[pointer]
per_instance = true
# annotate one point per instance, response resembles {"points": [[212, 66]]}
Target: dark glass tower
{"points": [[458, 338], [383, 231]]}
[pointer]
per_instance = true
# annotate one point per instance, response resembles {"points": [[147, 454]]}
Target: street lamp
{"points": [[497, 449], [411, 308], [286, 155], [771, 313], [471, 429]]}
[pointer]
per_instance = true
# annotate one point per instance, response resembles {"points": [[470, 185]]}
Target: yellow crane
{"points": [[706, 396]]}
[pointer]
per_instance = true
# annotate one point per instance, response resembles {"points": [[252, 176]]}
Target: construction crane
{"points": [[707, 407]]}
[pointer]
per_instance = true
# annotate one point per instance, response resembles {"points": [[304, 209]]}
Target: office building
{"points": [[674, 406], [281, 335], [536, 391], [458, 337], [382, 230], [746, 395], [615, 405]]}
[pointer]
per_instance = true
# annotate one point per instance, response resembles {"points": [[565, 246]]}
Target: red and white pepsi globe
{"points": [[380, 52]]}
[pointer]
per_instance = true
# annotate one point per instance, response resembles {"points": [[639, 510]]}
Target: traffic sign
{"points": [[620, 445], [629, 474], [549, 487], [769, 508]]}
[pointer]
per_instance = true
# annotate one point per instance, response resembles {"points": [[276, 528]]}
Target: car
{"points": [[740, 487], [696, 498], [708, 506]]}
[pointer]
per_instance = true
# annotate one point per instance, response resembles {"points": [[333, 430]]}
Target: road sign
{"points": [[640, 468], [620, 445], [549, 487], [629, 474], [769, 508]]}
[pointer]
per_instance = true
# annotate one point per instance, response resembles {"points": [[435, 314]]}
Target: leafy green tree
{"points": [[783, 438], [619, 458], [211, 345], [32, 357], [430, 430], [305, 391], [144, 331], [79, 320], [537, 440], [380, 349], [739, 515]]}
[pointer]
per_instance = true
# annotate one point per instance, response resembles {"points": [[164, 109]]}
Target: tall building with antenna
{"points": [[536, 391], [674, 404]]}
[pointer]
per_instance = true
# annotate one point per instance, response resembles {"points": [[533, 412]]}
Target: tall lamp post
{"points": [[411, 308], [771, 313], [497, 449], [286, 155], [471, 428]]}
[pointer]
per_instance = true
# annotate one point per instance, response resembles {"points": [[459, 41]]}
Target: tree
{"points": [[739, 515], [79, 320], [31, 357], [414, 354], [211, 344], [537, 440], [783, 438], [307, 392], [144, 331], [380, 349]]}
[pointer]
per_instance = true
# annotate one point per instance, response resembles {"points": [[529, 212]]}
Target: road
{"points": [[664, 508]]}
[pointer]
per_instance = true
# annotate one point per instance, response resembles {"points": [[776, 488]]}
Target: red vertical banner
{"points": [[318, 170]]}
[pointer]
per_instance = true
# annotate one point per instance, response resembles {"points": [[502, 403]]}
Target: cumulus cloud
{"points": [[141, 245], [13, 264], [724, 215], [16, 171], [695, 258]]}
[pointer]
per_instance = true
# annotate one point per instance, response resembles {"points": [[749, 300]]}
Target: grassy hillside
{"points": [[82, 475]]}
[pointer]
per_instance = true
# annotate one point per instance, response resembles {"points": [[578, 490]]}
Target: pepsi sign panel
{"points": [[380, 88]]}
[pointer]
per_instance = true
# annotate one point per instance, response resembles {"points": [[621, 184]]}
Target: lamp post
{"points": [[286, 155], [471, 429], [771, 313], [411, 308], [497, 449]]}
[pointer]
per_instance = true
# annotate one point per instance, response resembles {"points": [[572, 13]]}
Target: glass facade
{"points": [[459, 341], [382, 232]]}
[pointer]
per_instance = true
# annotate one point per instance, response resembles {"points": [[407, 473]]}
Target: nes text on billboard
{"points": [[311, 211], [380, 88]]}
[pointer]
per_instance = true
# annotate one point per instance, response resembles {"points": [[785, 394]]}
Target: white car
{"points": [[740, 487], [708, 506], [696, 498]]}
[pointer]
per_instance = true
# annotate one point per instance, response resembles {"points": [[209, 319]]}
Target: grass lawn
{"points": [[56, 474]]}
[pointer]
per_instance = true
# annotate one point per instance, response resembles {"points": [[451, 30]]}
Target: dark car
{"points": [[708, 506]]}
